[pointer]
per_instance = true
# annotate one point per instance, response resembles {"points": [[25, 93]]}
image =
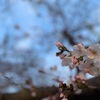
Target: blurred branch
{"points": [[69, 37], [25, 94], [87, 25]]}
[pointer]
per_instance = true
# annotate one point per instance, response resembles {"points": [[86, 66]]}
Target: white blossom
{"points": [[88, 63], [96, 69], [79, 50], [66, 61], [93, 52], [91, 67], [70, 61]]}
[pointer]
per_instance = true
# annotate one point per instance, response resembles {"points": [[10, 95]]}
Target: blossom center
{"points": [[93, 51]]}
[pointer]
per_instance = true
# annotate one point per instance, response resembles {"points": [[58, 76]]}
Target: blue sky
{"points": [[23, 14]]}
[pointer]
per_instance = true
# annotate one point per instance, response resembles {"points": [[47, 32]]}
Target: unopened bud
{"points": [[59, 44]]}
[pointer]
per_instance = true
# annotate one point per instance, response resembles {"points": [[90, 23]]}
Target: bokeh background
{"points": [[29, 30]]}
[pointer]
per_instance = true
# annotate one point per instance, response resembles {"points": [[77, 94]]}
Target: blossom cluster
{"points": [[67, 91], [87, 59]]}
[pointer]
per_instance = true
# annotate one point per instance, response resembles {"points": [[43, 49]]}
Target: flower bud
{"points": [[59, 44]]}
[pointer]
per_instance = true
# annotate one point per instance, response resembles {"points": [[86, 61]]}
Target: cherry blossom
{"points": [[70, 61], [95, 70], [88, 63], [86, 58], [79, 50], [93, 52], [66, 61], [91, 67]]}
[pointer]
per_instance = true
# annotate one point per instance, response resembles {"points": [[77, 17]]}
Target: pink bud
{"points": [[59, 44], [75, 60], [61, 95]]}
